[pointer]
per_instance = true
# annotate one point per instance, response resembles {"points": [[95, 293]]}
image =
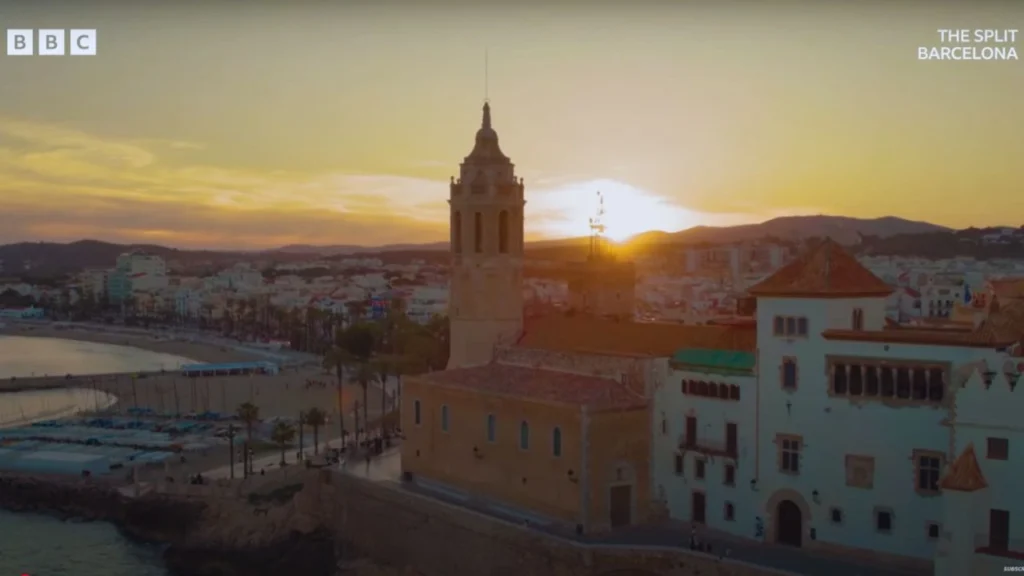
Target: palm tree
{"points": [[383, 365], [360, 340], [364, 374], [338, 358], [249, 414], [282, 434], [316, 418], [410, 349]]}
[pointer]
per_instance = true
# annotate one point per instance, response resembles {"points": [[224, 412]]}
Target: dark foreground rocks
{"points": [[161, 520], [306, 554]]}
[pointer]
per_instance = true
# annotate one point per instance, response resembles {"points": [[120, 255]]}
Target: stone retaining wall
{"points": [[390, 524]]}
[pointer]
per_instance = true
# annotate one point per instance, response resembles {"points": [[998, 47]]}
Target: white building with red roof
{"points": [[817, 423]]}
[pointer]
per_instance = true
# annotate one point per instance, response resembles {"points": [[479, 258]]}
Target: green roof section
{"points": [[726, 360]]}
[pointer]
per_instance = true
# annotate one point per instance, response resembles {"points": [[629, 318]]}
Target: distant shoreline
{"points": [[203, 352], [180, 346]]}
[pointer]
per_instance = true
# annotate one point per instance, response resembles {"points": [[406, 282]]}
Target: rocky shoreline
{"points": [[169, 522]]}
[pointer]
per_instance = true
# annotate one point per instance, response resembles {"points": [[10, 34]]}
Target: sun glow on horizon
{"points": [[628, 210]]}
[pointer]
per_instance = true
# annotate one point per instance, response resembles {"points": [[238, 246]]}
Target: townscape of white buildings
{"points": [[701, 287]]}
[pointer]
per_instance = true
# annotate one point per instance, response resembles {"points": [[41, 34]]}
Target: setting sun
{"points": [[628, 210]]}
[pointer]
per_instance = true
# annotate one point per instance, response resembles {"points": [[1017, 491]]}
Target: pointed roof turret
{"points": [[964, 474], [486, 146], [825, 271]]}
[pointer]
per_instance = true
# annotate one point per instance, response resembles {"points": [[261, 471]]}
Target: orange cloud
{"points": [[60, 184]]}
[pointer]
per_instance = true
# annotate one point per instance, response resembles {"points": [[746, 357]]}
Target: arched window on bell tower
{"points": [[457, 232], [503, 232], [478, 232]]}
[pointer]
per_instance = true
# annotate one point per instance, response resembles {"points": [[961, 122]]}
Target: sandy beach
{"points": [[199, 351], [293, 390], [296, 388]]}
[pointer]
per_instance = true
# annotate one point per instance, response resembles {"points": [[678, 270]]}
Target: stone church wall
{"points": [[430, 538]]}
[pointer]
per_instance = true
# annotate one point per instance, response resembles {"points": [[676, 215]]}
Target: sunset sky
{"points": [[240, 125]]}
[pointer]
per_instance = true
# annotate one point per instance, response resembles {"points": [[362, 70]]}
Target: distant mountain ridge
{"points": [[842, 229], [45, 258], [354, 249]]}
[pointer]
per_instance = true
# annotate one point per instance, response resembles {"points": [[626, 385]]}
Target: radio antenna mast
{"points": [[597, 229]]}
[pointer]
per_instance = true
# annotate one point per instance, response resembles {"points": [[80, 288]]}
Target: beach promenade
{"points": [[301, 384]]}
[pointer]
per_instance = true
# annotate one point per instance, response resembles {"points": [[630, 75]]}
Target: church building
{"points": [[813, 423], [545, 419]]}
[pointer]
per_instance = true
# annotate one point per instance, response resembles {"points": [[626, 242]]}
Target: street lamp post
{"points": [[231, 447], [302, 420]]}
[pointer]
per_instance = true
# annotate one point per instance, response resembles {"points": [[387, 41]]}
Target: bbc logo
{"points": [[51, 42]]}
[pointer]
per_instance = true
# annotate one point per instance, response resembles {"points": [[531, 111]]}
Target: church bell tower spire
{"points": [[486, 202]]}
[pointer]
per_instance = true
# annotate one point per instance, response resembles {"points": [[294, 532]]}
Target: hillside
{"points": [[842, 229], [882, 235], [343, 249], [49, 259]]}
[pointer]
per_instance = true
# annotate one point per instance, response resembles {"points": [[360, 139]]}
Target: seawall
{"points": [[427, 537], [305, 521]]}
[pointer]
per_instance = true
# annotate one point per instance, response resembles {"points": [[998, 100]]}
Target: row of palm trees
{"points": [[369, 352], [364, 353], [284, 432]]}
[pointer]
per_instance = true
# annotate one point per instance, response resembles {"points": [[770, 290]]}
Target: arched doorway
{"points": [[789, 524]]}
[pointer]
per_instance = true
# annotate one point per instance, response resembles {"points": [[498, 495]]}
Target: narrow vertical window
{"points": [[478, 232], [858, 319], [789, 374], [416, 412], [503, 232], [524, 436], [492, 428], [556, 442], [457, 232]]}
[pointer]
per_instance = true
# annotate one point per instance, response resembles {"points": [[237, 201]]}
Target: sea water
{"points": [[45, 546], [42, 545]]}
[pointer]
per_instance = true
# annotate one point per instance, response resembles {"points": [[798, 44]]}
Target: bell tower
{"points": [[485, 305]]}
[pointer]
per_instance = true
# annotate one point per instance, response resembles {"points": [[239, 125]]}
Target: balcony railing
{"points": [[709, 447], [1014, 548]]}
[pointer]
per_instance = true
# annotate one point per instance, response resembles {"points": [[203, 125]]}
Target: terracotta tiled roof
{"points": [[928, 337], [964, 474], [1008, 288], [1005, 322], [825, 271], [587, 334], [539, 384]]}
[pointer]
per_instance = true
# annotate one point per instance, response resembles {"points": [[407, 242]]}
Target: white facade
{"points": [[697, 485], [239, 276], [94, 282], [819, 466], [144, 282], [141, 263], [941, 295]]}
